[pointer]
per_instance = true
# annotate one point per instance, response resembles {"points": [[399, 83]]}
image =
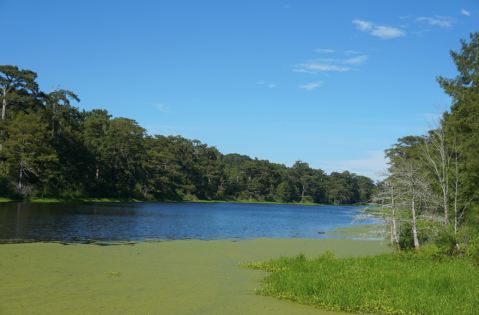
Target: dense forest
{"points": [[51, 148], [430, 191]]}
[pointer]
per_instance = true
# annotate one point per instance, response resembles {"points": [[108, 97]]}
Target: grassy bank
{"points": [[408, 283]]}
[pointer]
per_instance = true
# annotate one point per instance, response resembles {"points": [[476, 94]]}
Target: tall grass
{"points": [[407, 283]]}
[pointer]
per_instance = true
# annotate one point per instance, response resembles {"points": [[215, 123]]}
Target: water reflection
{"points": [[120, 222]]}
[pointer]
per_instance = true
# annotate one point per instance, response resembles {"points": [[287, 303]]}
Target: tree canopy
{"points": [[52, 148]]}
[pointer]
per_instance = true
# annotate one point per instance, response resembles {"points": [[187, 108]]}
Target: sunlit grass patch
{"points": [[387, 284]]}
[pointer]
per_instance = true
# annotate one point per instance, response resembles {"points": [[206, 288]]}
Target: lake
{"points": [[104, 223]]}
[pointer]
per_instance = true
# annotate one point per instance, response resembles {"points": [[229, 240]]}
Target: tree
{"points": [[26, 149], [125, 151], [95, 128], [59, 108], [437, 155], [463, 120], [303, 179], [15, 86]]}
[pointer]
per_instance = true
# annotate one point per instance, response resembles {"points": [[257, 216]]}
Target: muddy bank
{"points": [[178, 277]]}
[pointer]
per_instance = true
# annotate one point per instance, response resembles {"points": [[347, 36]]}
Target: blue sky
{"points": [[332, 83]]}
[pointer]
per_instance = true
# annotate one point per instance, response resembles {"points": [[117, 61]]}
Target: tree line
{"points": [[51, 148], [430, 191]]}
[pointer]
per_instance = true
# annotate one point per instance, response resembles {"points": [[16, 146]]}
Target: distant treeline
{"points": [[52, 149]]}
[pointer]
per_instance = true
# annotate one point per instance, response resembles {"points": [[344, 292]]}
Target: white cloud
{"points": [[329, 64], [383, 32], [324, 67], [442, 21], [311, 86], [271, 85], [387, 32], [321, 50], [356, 60], [303, 70], [363, 26], [466, 13], [368, 166]]}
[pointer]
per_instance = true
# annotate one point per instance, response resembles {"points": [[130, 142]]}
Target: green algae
{"points": [[176, 277], [358, 232]]}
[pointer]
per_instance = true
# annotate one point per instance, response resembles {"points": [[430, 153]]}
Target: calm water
{"points": [[113, 222]]}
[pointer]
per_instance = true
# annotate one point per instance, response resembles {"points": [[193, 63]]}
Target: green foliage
{"points": [[327, 254], [426, 282], [17, 88], [52, 149], [431, 186]]}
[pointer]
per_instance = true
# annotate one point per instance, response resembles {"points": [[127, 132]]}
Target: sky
{"points": [[331, 83]]}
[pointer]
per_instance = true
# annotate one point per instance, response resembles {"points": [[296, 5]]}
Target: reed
{"points": [[407, 283]]}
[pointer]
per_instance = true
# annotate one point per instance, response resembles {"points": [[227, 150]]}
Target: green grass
{"points": [[407, 283]]}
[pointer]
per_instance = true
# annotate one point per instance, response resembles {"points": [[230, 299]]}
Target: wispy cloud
{"points": [[356, 60], [271, 85], [381, 31], [368, 166], [466, 13], [326, 51], [387, 32], [314, 67], [311, 86], [363, 26], [421, 32], [163, 108], [442, 21], [329, 64]]}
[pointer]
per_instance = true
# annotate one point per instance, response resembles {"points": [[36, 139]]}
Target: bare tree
{"points": [[387, 199], [415, 191], [460, 202], [437, 155], [384, 206]]}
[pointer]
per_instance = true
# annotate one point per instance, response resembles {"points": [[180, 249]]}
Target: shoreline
{"points": [[132, 200]]}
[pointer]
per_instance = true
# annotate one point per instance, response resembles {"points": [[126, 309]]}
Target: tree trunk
{"points": [[414, 225], [20, 177], [392, 240], [396, 234], [53, 122], [4, 106]]}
